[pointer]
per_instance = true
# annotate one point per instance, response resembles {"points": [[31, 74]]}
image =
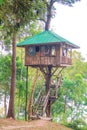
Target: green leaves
{"points": [[72, 97], [18, 13], [5, 73], [1, 2]]}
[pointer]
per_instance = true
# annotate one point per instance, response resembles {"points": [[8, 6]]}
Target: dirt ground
{"points": [[10, 124]]}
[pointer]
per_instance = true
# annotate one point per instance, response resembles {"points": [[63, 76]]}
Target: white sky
{"points": [[71, 23]]}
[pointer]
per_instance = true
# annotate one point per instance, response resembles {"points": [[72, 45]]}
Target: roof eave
{"points": [[73, 46], [50, 43]]}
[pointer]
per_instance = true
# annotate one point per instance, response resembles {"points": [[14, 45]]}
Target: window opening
{"points": [[53, 51], [69, 53], [37, 49], [32, 51], [42, 50], [64, 51], [47, 51]]}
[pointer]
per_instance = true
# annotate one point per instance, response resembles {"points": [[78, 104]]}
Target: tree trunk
{"points": [[47, 84], [47, 23], [13, 80], [48, 75], [49, 15]]}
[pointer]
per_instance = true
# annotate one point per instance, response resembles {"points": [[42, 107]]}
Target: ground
{"points": [[10, 124]]}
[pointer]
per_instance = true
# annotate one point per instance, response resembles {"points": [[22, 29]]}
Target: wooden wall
{"points": [[38, 59]]}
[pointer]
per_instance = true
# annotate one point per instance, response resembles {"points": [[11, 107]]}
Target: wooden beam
{"points": [[54, 71]]}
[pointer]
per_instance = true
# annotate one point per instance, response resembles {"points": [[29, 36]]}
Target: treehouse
{"points": [[49, 52], [47, 49]]}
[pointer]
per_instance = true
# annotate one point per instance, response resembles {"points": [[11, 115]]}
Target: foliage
{"points": [[1, 2], [78, 66], [5, 73], [77, 125], [72, 97], [20, 86], [15, 14], [19, 16]]}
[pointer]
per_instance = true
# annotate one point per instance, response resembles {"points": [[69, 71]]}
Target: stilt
{"points": [[26, 116]]}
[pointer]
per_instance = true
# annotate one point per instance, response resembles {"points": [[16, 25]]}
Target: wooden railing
{"points": [[65, 60]]}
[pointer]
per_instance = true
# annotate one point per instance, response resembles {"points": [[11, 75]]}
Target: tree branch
{"points": [[41, 19]]}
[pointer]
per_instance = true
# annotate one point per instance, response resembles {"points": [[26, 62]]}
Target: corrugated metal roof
{"points": [[45, 37]]}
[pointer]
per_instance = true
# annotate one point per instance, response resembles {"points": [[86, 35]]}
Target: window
{"points": [[53, 51], [37, 49], [64, 51], [47, 51], [69, 53], [42, 50], [32, 51]]}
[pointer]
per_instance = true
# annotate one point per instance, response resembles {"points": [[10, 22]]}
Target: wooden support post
{"points": [[26, 116]]}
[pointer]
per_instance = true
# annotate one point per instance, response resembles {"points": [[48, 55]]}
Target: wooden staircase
{"points": [[40, 104]]}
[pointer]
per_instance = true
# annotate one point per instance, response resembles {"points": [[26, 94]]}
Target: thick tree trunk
{"points": [[49, 15], [47, 23], [13, 80], [49, 70], [47, 84]]}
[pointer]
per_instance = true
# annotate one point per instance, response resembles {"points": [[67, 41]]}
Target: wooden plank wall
{"points": [[42, 60], [56, 60]]}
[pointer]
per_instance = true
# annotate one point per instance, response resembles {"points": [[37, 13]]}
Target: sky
{"points": [[71, 23]]}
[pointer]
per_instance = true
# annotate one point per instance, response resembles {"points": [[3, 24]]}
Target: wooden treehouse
{"points": [[49, 52]]}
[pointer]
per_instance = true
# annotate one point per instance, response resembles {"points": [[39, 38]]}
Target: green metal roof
{"points": [[45, 37]]}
